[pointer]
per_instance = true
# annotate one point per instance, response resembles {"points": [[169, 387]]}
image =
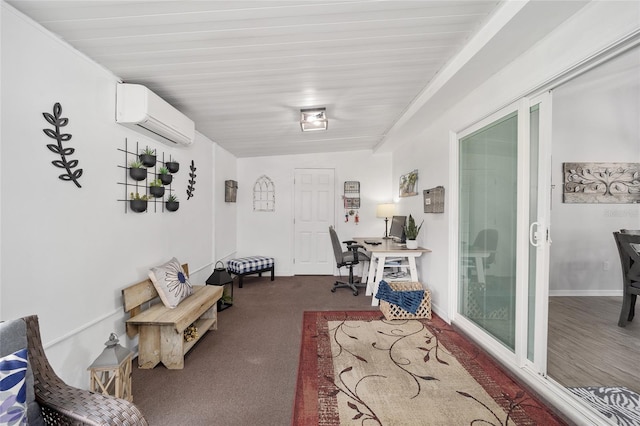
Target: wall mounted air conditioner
{"points": [[142, 110]]}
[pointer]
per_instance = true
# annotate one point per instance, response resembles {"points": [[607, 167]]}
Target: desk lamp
{"points": [[385, 211]]}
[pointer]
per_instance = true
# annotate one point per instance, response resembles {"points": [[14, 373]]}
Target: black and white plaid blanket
{"points": [[245, 265]]}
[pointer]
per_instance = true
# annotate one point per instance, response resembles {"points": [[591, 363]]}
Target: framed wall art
{"points": [[351, 194], [605, 183], [408, 184]]}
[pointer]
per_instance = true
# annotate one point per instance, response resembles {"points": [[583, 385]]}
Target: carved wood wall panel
{"points": [[610, 183]]}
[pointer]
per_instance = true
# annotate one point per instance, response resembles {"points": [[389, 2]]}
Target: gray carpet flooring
{"points": [[244, 373]]}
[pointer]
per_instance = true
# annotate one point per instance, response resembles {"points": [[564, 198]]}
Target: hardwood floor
{"points": [[587, 348]]}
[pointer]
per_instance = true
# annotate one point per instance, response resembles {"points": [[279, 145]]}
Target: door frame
{"points": [[543, 229]]}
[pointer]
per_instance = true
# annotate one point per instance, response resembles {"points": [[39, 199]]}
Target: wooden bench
{"points": [[161, 329]]}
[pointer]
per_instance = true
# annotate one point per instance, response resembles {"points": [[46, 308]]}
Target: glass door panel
{"points": [[488, 165], [534, 137]]}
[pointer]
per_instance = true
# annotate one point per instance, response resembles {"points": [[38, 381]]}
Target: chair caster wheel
{"points": [[333, 290], [355, 293]]}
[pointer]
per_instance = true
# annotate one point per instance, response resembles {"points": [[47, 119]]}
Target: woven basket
{"points": [[392, 311]]}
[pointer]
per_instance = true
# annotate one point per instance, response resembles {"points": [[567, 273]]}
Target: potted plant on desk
{"points": [[411, 231]]}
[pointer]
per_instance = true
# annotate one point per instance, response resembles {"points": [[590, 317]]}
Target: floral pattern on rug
{"points": [[377, 372]]}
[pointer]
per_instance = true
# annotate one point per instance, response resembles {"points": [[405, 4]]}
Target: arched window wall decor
{"points": [[264, 195]]}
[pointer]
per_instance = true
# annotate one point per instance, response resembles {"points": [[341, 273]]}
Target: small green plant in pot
{"points": [[156, 189], [172, 204], [411, 231], [148, 157], [165, 176], [173, 166], [137, 171], [138, 203]]}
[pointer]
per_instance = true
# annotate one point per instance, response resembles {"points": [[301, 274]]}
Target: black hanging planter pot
{"points": [[147, 160], [138, 206], [138, 173], [172, 206], [156, 191], [172, 166], [166, 179]]}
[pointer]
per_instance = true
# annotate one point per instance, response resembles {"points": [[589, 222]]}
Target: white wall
{"points": [[596, 119], [425, 138], [225, 213], [67, 252], [271, 234], [430, 157]]}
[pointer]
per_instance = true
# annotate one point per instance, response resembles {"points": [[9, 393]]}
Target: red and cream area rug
{"points": [[356, 368]]}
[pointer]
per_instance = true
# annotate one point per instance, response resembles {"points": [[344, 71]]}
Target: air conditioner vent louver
{"points": [[142, 110]]}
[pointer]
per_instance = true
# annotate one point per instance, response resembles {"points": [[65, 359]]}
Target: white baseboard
{"points": [[582, 293], [440, 312]]}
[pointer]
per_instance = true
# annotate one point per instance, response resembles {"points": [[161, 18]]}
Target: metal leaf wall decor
{"points": [[613, 183], [192, 180], [58, 122]]}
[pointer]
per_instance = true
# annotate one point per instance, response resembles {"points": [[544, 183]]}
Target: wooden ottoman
{"points": [[250, 265]]}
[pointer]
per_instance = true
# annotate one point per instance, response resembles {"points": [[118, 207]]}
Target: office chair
{"points": [[347, 258]]}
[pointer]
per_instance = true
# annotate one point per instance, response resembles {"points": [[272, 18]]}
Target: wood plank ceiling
{"points": [[242, 70]]}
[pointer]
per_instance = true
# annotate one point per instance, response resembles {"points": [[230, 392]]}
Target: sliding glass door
{"points": [[501, 232], [488, 165]]}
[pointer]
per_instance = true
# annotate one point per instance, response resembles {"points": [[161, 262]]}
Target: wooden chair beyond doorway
{"points": [[628, 243]]}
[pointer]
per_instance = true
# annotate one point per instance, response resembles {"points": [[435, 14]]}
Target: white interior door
{"points": [[314, 201]]}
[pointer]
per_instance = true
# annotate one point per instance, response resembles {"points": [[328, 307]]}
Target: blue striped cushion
{"points": [[249, 264]]}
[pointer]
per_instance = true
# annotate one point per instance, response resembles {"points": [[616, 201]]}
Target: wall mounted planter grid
{"points": [[138, 181]]}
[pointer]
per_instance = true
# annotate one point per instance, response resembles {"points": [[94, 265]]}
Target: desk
{"points": [[379, 255]]}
